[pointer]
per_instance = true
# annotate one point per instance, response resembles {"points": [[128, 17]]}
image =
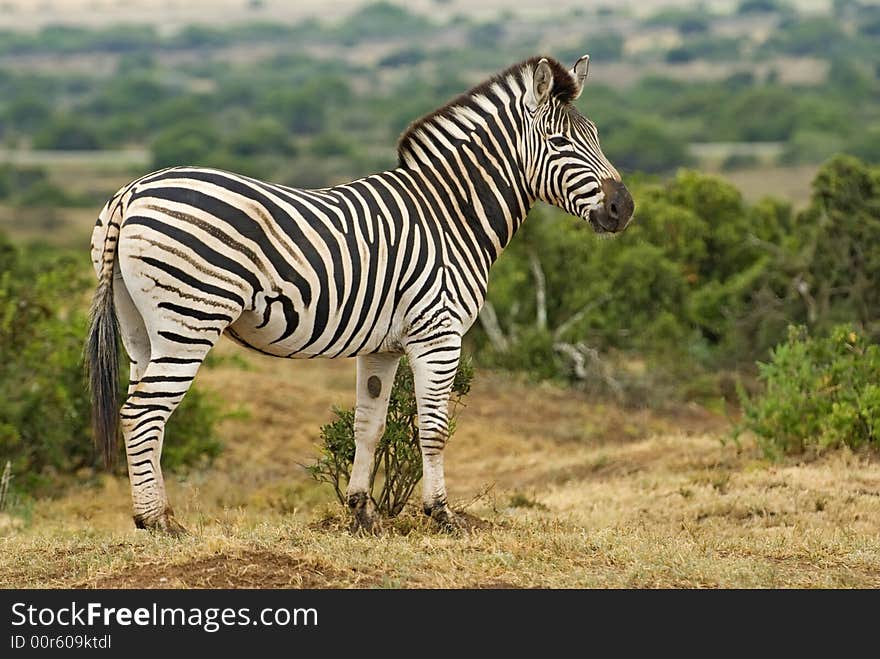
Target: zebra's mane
{"points": [[564, 90]]}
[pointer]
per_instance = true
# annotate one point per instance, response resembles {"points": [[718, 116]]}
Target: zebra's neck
{"points": [[473, 197], [471, 149]]}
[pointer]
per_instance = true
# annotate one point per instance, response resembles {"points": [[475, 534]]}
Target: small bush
{"points": [[820, 392], [398, 461]]}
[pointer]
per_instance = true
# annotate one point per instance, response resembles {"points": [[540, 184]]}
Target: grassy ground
{"points": [[573, 493]]}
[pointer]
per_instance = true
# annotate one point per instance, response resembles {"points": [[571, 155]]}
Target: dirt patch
{"points": [[407, 523], [252, 569]]}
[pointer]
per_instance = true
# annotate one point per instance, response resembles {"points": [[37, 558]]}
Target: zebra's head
{"points": [[563, 159]]}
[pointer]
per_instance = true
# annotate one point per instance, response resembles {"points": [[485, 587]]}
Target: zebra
{"points": [[393, 264]]}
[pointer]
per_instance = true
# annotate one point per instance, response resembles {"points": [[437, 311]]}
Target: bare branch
{"points": [[803, 289], [540, 290], [753, 241], [4, 484], [489, 321], [578, 359], [565, 325], [586, 361], [479, 496]]}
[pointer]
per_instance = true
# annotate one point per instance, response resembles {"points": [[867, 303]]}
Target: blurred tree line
{"points": [[309, 120]]}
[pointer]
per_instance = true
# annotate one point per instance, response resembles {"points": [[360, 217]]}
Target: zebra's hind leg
{"points": [[375, 377], [144, 414], [434, 367], [140, 419], [156, 391]]}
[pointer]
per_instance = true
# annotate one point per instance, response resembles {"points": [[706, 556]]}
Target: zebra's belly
{"points": [[282, 330]]}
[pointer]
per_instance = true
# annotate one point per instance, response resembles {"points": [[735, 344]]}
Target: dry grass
{"points": [[582, 495]]}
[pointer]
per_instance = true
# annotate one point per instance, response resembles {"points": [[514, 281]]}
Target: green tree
{"points": [[761, 114], [129, 94], [806, 35], [645, 145], [332, 144], [380, 20], [28, 112], [66, 132], [760, 6], [844, 265], [261, 136], [302, 112], [185, 144]]}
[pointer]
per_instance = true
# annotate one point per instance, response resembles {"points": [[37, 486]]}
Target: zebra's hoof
{"points": [[364, 521], [447, 520], [165, 523]]}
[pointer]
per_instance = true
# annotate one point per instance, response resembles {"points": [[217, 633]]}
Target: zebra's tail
{"points": [[102, 345]]}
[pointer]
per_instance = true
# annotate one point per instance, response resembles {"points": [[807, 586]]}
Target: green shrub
{"points": [[820, 392], [530, 351], [398, 461], [44, 405]]}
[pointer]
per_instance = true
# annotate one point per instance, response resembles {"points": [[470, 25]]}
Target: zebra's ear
{"points": [[542, 82], [579, 72]]}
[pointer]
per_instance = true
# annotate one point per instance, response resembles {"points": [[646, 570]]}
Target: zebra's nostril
{"points": [[613, 209]]}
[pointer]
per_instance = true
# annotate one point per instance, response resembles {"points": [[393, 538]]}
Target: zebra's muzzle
{"points": [[616, 211]]}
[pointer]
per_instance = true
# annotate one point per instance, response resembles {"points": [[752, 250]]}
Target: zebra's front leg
{"points": [[434, 367], [375, 377]]}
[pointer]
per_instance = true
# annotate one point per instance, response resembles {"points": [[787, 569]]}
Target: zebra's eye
{"points": [[559, 141]]}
